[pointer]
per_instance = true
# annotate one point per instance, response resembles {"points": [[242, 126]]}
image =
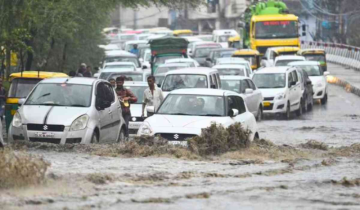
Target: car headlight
{"points": [[280, 96], [80, 123], [145, 129], [17, 120]]}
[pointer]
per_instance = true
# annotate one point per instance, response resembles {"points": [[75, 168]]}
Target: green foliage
{"points": [[58, 35]]}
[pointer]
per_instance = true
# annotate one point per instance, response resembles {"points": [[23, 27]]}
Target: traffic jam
{"points": [[173, 84]]}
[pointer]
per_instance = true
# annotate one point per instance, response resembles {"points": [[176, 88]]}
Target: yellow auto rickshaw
{"points": [[253, 56], [235, 42], [181, 33], [21, 84], [286, 51], [318, 55]]}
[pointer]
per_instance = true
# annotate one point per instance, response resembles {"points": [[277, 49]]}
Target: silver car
{"points": [[69, 110]]}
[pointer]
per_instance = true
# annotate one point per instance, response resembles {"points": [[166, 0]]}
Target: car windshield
{"points": [[123, 59], [159, 79], [180, 81], [264, 81], [203, 52], [129, 76], [312, 71], [315, 57], [193, 105], [224, 38], [127, 37], [129, 47], [21, 87], [61, 95], [232, 85], [284, 62], [276, 29], [231, 71], [138, 92], [120, 67], [161, 59], [164, 69]]}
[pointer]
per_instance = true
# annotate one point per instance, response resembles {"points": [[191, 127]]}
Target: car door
{"points": [[114, 113], [252, 98], [247, 97], [104, 119], [258, 98], [297, 89], [244, 117]]}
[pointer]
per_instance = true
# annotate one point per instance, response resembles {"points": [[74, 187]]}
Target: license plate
{"points": [[44, 135], [267, 103], [134, 126], [181, 143]]}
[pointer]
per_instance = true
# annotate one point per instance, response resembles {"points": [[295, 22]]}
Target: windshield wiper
{"points": [[46, 94], [212, 115], [183, 114], [46, 104], [278, 87], [78, 105]]}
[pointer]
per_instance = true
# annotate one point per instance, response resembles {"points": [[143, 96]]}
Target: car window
{"points": [[212, 81], [235, 102], [180, 81], [295, 76], [251, 84], [109, 91], [21, 87], [218, 79], [299, 74], [290, 78], [243, 86]]}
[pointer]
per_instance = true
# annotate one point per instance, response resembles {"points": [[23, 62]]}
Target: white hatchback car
{"points": [[119, 65], [184, 113], [248, 90], [284, 60], [191, 62], [235, 70], [317, 77], [281, 89], [236, 61], [69, 110]]}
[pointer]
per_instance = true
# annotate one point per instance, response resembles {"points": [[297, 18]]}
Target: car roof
{"points": [[72, 80], [119, 53], [304, 63], [273, 70], [228, 66], [204, 43], [137, 42], [135, 83], [119, 64], [116, 70], [174, 64], [223, 49], [203, 91], [177, 60], [231, 77], [232, 59], [289, 57], [198, 70]]}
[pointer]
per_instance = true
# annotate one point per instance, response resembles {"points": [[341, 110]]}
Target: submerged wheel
{"points": [[300, 110], [287, 113], [259, 114], [324, 100], [94, 138]]}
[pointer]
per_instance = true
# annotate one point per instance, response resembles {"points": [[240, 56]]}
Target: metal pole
{"points": [[135, 19], [120, 16]]}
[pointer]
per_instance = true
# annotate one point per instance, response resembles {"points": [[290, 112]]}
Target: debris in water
{"points": [[203, 195], [312, 144]]}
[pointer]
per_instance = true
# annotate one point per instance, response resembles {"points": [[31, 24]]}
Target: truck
{"points": [[269, 24]]}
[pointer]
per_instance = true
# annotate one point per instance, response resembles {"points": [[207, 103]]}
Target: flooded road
{"points": [[284, 176]]}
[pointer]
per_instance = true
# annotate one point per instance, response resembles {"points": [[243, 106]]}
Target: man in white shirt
{"points": [[153, 96]]}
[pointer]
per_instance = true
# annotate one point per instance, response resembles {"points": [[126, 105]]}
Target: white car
{"points": [[192, 62], [236, 61], [284, 60], [281, 89], [222, 36], [317, 77], [105, 73], [248, 90], [235, 70], [121, 56], [120, 65], [137, 88], [271, 53], [69, 110], [191, 78], [184, 113]]}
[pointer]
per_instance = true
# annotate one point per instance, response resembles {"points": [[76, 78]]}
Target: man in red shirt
{"points": [[126, 97]]}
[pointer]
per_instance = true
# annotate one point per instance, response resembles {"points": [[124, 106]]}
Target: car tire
{"points": [[311, 105], [121, 137], [324, 100], [300, 110], [305, 107], [288, 112], [94, 138], [259, 115]]}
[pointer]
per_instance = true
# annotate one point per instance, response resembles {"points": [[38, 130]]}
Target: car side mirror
{"points": [[233, 112], [212, 86], [326, 73], [21, 101], [159, 85], [150, 109], [264, 58], [292, 83], [144, 67], [249, 91]]}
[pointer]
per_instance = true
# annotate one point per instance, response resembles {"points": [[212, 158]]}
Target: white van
{"points": [[222, 36]]}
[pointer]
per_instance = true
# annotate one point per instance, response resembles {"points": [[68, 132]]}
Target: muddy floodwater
{"points": [[288, 175]]}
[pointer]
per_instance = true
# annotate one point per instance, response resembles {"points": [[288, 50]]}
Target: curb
{"points": [[348, 87]]}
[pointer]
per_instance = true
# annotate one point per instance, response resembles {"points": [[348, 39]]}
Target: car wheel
{"points": [[287, 113], [94, 138], [121, 136], [305, 105], [311, 104], [300, 110], [324, 100], [259, 114]]}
